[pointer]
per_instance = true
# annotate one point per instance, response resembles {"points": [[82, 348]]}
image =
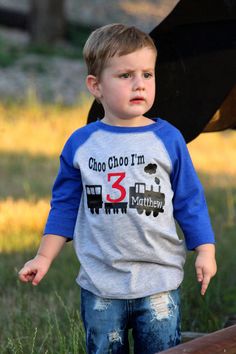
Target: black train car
{"points": [[94, 198]]}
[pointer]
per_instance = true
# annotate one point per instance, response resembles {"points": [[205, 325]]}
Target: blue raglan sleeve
{"points": [[66, 194], [189, 203]]}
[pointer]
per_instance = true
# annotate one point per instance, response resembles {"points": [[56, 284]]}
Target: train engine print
{"points": [[146, 200]]}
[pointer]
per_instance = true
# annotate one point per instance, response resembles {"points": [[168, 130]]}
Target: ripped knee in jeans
{"points": [[162, 306]]}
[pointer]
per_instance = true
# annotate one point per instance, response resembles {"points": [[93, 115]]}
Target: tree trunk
{"points": [[47, 21]]}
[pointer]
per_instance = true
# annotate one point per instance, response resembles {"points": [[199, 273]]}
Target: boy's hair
{"points": [[110, 40]]}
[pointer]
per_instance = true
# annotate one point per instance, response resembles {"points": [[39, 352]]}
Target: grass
{"points": [[46, 319]]}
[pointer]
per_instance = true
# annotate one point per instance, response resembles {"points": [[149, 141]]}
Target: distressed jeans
{"points": [[154, 320]]}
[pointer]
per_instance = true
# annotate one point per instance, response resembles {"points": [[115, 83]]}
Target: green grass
{"points": [[43, 319], [209, 313], [30, 176]]}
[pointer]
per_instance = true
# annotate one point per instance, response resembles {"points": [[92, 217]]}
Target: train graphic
{"points": [[146, 200], [95, 202], [140, 198], [94, 198]]}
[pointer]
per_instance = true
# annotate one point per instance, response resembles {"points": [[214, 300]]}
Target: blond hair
{"points": [[110, 40]]}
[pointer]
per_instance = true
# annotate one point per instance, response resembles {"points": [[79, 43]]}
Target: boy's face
{"points": [[127, 85]]}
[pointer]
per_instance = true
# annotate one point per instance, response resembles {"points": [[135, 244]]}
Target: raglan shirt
{"points": [[118, 193]]}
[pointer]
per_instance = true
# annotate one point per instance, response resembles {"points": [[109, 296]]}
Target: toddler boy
{"points": [[122, 183]]}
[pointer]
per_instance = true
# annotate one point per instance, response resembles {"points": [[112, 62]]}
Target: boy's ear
{"points": [[93, 86]]}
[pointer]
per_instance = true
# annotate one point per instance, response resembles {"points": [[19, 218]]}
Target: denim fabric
{"points": [[154, 320]]}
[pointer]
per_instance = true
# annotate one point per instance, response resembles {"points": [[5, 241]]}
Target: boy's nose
{"points": [[138, 83]]}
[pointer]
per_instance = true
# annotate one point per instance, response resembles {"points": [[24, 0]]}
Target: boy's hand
{"points": [[205, 265], [34, 270]]}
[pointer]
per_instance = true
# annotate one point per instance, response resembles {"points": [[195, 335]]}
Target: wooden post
{"points": [[223, 341], [47, 21]]}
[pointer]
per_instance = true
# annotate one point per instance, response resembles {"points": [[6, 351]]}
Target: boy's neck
{"points": [[128, 122]]}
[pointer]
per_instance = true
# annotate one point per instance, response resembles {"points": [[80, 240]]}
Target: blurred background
{"points": [[56, 30], [43, 99]]}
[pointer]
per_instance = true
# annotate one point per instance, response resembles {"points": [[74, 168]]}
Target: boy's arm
{"points": [[66, 195], [35, 269], [190, 208], [205, 265]]}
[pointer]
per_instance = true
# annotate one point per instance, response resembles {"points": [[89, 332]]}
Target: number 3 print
{"points": [[116, 185]]}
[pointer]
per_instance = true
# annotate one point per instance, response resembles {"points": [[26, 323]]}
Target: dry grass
{"points": [[21, 224], [214, 153], [39, 129]]}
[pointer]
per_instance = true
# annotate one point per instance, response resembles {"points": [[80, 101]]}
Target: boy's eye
{"points": [[147, 75], [125, 75]]}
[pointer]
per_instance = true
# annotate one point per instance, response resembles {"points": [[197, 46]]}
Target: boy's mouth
{"points": [[137, 99]]}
